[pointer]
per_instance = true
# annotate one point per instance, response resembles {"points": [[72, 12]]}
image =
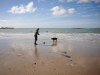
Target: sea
{"points": [[79, 34]]}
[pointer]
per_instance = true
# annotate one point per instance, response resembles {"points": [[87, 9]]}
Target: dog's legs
{"points": [[56, 40], [53, 40]]}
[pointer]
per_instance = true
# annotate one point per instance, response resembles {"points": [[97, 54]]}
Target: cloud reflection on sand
{"points": [[23, 48], [59, 47], [70, 47], [62, 47]]}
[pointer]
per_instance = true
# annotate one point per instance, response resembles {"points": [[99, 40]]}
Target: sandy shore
{"points": [[66, 57]]}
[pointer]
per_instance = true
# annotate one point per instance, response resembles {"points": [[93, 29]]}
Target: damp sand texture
{"points": [[66, 57]]}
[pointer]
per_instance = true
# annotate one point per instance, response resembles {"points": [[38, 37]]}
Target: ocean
{"points": [[79, 34]]}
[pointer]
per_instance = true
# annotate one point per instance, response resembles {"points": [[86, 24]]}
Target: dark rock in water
{"points": [[43, 42]]}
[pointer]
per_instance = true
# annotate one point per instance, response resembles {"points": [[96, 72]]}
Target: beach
{"points": [[76, 52], [66, 57]]}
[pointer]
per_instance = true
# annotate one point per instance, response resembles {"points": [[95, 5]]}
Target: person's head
{"points": [[37, 29]]}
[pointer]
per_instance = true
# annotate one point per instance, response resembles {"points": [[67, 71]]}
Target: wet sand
{"points": [[66, 57]]}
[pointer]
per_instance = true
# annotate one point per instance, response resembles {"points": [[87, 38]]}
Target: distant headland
{"points": [[6, 28]]}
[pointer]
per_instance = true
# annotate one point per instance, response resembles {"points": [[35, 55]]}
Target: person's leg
{"points": [[35, 40]]}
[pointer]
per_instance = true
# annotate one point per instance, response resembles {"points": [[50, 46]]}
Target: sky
{"points": [[50, 13]]}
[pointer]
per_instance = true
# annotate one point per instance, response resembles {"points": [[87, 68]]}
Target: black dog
{"points": [[54, 39]]}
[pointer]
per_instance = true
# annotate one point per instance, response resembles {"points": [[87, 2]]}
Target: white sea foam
{"points": [[93, 37]]}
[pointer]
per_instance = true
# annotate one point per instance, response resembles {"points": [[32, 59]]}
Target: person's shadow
{"points": [[36, 52]]}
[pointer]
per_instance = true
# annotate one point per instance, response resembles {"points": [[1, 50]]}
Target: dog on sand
{"points": [[54, 39]]}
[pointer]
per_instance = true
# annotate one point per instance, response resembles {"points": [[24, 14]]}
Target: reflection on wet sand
{"points": [[58, 47], [63, 58], [36, 52], [54, 44], [70, 47]]}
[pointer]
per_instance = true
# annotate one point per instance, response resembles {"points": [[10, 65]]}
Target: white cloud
{"points": [[69, 0], [83, 1], [96, 1], [66, 0], [61, 11], [86, 1], [22, 9], [71, 10], [92, 15], [58, 11], [61, 0], [41, 0]]}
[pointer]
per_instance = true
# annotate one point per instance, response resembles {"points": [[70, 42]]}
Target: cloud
{"points": [[41, 0], [61, 0], [86, 1], [69, 0], [61, 11], [22, 9], [58, 11], [71, 10], [96, 1], [92, 15], [83, 1], [66, 0]]}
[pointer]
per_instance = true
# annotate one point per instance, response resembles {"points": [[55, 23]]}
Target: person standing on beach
{"points": [[36, 33]]}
